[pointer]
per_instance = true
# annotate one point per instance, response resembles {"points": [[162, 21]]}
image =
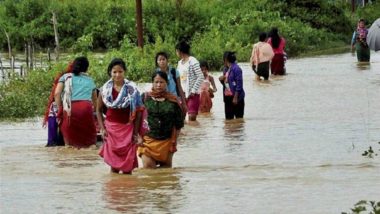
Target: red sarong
{"points": [[118, 149], [277, 65], [79, 129]]}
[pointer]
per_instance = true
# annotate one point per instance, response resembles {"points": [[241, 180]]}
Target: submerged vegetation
{"points": [[87, 26], [364, 206]]}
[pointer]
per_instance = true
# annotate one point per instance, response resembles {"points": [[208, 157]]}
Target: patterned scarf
{"points": [[67, 93], [129, 96], [52, 92], [362, 32]]}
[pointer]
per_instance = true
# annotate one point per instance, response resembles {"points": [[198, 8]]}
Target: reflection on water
{"points": [[145, 192], [297, 150]]}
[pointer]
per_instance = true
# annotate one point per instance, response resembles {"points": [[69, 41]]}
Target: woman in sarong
{"points": [[165, 121], [75, 112], [55, 137], [124, 107], [277, 65]]}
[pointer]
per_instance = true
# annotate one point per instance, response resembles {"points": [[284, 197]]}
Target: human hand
{"points": [[104, 133], [235, 100], [137, 139], [222, 78], [44, 124], [184, 108], [59, 115]]}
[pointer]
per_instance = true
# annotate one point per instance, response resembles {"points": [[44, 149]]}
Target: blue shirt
{"points": [[172, 84], [235, 80], [83, 86]]}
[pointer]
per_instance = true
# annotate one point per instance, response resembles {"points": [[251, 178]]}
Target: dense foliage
{"points": [[211, 26]]}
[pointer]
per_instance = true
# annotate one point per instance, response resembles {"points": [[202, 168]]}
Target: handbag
{"points": [[227, 90]]}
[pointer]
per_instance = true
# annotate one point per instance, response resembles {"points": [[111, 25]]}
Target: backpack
{"points": [[174, 71]]}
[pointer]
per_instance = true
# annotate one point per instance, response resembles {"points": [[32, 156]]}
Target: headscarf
{"points": [[163, 94]]}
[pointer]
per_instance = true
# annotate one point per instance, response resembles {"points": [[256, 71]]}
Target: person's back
{"points": [[261, 55], [76, 105], [281, 46], [278, 44], [82, 86]]}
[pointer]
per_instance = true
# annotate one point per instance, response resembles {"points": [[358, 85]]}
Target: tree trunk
{"points": [[9, 44], [56, 37], [140, 40], [27, 54]]}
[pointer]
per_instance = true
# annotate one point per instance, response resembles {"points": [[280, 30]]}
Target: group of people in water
{"points": [[148, 124], [269, 54]]}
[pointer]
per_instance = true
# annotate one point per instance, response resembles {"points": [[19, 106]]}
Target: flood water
{"points": [[298, 150]]}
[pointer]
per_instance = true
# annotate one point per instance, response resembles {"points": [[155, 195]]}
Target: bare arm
{"points": [[181, 93], [99, 114], [251, 60], [94, 98], [136, 128], [99, 111], [213, 83], [57, 94]]}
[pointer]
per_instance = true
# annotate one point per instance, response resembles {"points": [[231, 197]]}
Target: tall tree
{"points": [[140, 40], [56, 37]]}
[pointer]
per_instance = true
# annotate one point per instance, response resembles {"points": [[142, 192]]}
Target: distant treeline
{"points": [[211, 26], [208, 24]]}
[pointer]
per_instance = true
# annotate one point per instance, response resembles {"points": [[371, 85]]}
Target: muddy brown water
{"points": [[298, 150]]}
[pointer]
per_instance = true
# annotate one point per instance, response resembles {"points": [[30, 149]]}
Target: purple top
{"points": [[235, 80]]}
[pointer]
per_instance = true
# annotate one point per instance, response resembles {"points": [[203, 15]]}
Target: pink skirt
{"points": [[118, 150], [193, 104], [79, 130]]}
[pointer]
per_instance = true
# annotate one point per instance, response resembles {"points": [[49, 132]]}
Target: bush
{"points": [[26, 97]]}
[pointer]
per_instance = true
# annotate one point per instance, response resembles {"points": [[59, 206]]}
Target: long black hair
{"points": [[183, 47], [229, 56], [273, 34], [80, 64]]}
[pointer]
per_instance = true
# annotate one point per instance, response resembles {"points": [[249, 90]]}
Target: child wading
{"points": [[208, 89]]}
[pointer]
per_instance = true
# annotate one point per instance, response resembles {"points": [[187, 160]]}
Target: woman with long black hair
{"points": [[277, 42]]}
